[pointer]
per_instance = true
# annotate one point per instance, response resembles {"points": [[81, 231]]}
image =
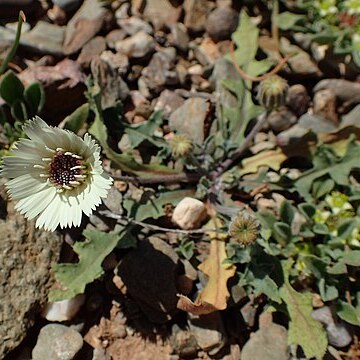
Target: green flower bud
{"points": [[272, 92], [180, 146], [244, 228]]}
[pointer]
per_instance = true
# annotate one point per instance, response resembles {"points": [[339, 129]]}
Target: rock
{"points": [[133, 25], [345, 90], [190, 118], [161, 13], [61, 82], [113, 87], [117, 61], [138, 45], [114, 36], [207, 52], [298, 99], [281, 119], [149, 273], [270, 342], [168, 101], [178, 36], [183, 342], [209, 331], [91, 50], [189, 213], [63, 310], [57, 342], [221, 23], [67, 5], [25, 277], [123, 11], [196, 13], [84, 25], [160, 71], [301, 63], [113, 201], [325, 105], [44, 38], [336, 329]]}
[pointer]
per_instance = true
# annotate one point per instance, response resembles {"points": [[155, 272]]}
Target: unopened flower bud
{"points": [[244, 228], [180, 146], [272, 92]]}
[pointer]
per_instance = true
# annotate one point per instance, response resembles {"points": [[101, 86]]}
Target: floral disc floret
{"points": [[55, 175]]}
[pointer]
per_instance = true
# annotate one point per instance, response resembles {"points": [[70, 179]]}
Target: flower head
{"points": [[55, 175], [272, 92], [180, 145], [244, 228]]}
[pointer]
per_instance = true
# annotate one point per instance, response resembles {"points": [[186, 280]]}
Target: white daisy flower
{"points": [[56, 175]]}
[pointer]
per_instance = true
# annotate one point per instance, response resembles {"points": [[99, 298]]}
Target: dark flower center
{"points": [[66, 170]]}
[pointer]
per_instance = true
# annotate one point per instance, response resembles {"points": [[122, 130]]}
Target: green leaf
{"points": [[11, 88], [322, 187], [327, 292], [282, 233], [352, 258], [303, 329], [246, 39], [126, 162], [35, 97], [308, 210], [346, 228], [75, 276], [268, 287], [348, 313], [326, 162], [286, 20], [145, 131], [18, 111], [287, 212], [154, 207], [75, 121]]}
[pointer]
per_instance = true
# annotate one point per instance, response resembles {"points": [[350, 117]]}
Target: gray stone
{"points": [[161, 13], [133, 25], [324, 105], [268, 343], [44, 38], [190, 118], [113, 87], [57, 342], [168, 102], [160, 71], [221, 23], [336, 329], [91, 49], [25, 272], [183, 342], [67, 5], [298, 99], [281, 119], [138, 45], [117, 61], [345, 90], [196, 13], [149, 273], [208, 331], [114, 36], [178, 36], [114, 200], [84, 25]]}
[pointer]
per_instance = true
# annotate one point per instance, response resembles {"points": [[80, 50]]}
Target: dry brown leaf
{"points": [[216, 292], [196, 308]]}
